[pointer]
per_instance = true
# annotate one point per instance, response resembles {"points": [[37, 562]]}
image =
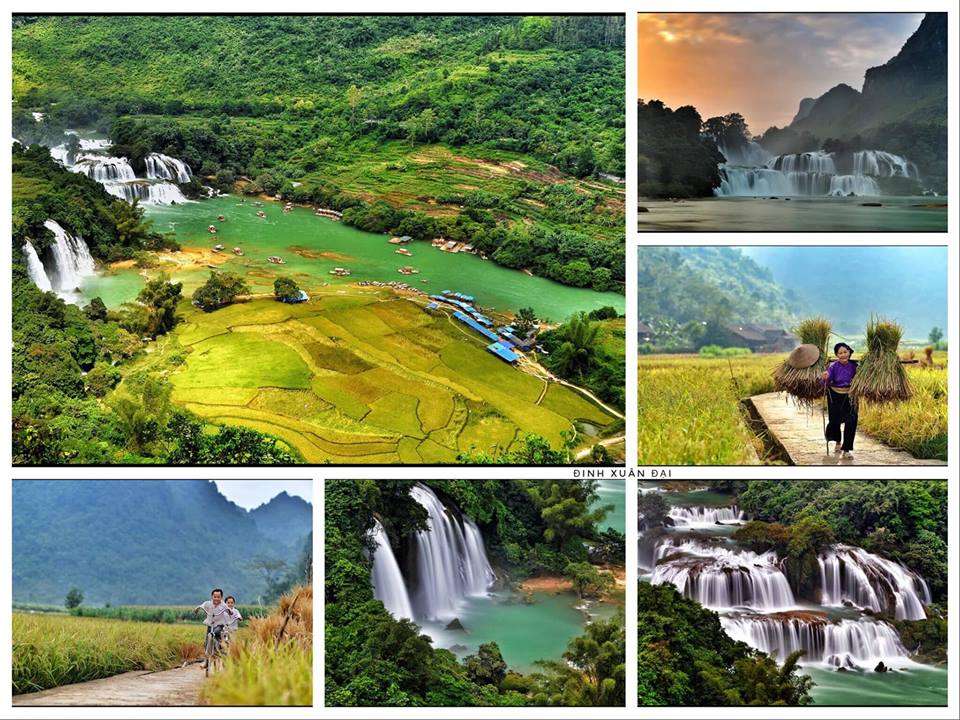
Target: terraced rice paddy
{"points": [[363, 375], [689, 411]]}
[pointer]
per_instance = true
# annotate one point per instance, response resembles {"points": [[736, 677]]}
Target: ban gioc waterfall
{"points": [[62, 267], [843, 629]]}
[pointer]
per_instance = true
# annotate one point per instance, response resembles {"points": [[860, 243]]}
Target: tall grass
{"points": [[271, 661], [689, 411], [54, 650], [917, 425], [159, 613]]}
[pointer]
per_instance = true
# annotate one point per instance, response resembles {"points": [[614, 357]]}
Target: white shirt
{"points": [[234, 622], [216, 614]]}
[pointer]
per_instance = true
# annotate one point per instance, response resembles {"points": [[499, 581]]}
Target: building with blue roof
{"points": [[503, 352], [470, 322]]}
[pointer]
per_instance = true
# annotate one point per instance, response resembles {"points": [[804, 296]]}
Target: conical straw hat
{"points": [[804, 356]]}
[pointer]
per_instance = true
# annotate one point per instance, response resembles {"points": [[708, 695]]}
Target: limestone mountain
{"points": [[139, 541]]}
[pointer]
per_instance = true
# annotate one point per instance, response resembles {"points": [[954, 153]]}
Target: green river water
{"points": [[524, 633], [911, 683], [613, 492], [367, 255], [801, 214]]}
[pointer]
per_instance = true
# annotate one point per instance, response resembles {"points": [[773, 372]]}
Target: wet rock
{"points": [[642, 209], [881, 667], [871, 204], [842, 669], [455, 624], [458, 648]]}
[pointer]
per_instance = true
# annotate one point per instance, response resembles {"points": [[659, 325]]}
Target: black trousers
{"points": [[841, 410]]}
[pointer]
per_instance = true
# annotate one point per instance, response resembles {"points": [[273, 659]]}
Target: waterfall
{"points": [[104, 168], [450, 559], [35, 268], [847, 643], [164, 167], [720, 578], [699, 516], [752, 172], [870, 582], [72, 261], [156, 193], [388, 585]]}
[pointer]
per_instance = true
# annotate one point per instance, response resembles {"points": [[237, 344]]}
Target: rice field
{"points": [[362, 375], [158, 613], [271, 661], [52, 650], [689, 411]]}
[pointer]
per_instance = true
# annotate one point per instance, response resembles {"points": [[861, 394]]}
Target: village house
{"points": [[760, 338]]}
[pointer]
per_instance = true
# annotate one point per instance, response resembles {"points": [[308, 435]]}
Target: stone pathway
{"points": [[140, 688], [798, 433]]}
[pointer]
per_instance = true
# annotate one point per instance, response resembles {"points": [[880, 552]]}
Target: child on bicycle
{"points": [[218, 613], [233, 624]]}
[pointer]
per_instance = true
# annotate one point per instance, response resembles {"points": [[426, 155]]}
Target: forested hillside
{"points": [[500, 130], [139, 542], [682, 291]]}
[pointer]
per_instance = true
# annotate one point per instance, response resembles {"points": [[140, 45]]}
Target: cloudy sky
{"points": [[761, 65], [251, 493]]}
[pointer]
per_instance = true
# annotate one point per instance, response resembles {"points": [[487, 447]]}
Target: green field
{"points": [[362, 375], [689, 410]]}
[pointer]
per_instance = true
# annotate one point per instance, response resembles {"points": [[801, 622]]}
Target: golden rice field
{"points": [[53, 650], [363, 376], [271, 660], [689, 411]]}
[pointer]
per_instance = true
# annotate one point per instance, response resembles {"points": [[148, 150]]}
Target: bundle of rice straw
{"points": [[880, 377], [805, 383]]}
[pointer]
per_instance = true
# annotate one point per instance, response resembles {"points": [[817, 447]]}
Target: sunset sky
{"points": [[761, 65]]}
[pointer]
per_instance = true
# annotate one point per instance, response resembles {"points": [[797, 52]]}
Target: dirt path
{"points": [[180, 686], [798, 434]]}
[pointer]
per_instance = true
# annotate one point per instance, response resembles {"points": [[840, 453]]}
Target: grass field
{"points": [[689, 411], [271, 661], [53, 650], [360, 375], [159, 613]]}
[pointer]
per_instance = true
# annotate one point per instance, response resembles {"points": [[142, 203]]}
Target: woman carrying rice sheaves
{"points": [[841, 409]]}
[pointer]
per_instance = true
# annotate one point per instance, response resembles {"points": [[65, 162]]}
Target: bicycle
{"points": [[213, 650]]}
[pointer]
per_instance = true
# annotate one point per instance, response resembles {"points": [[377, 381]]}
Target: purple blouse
{"points": [[839, 374]]}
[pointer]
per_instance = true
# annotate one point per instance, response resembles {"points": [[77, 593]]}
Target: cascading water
{"points": [[721, 579], [70, 262], [870, 582], [388, 585], [847, 643], [450, 559], [699, 516], [35, 269], [104, 168], [164, 167], [118, 177], [750, 171]]}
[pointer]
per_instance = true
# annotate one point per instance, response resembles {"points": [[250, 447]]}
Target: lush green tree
{"points": [[73, 599], [220, 290], [486, 666], [588, 580], [286, 289]]}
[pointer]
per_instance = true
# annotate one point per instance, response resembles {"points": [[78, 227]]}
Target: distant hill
{"points": [[687, 284], [141, 541], [286, 519], [912, 86], [847, 284]]}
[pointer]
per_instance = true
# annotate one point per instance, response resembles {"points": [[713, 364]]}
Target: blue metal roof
{"points": [[467, 320], [503, 352], [432, 306]]}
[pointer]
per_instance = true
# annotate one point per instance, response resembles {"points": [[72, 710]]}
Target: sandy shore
{"points": [[547, 583], [185, 258]]}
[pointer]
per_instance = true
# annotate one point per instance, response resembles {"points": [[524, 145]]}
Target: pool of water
{"points": [[613, 492], [804, 214], [917, 685], [524, 633], [324, 244]]}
